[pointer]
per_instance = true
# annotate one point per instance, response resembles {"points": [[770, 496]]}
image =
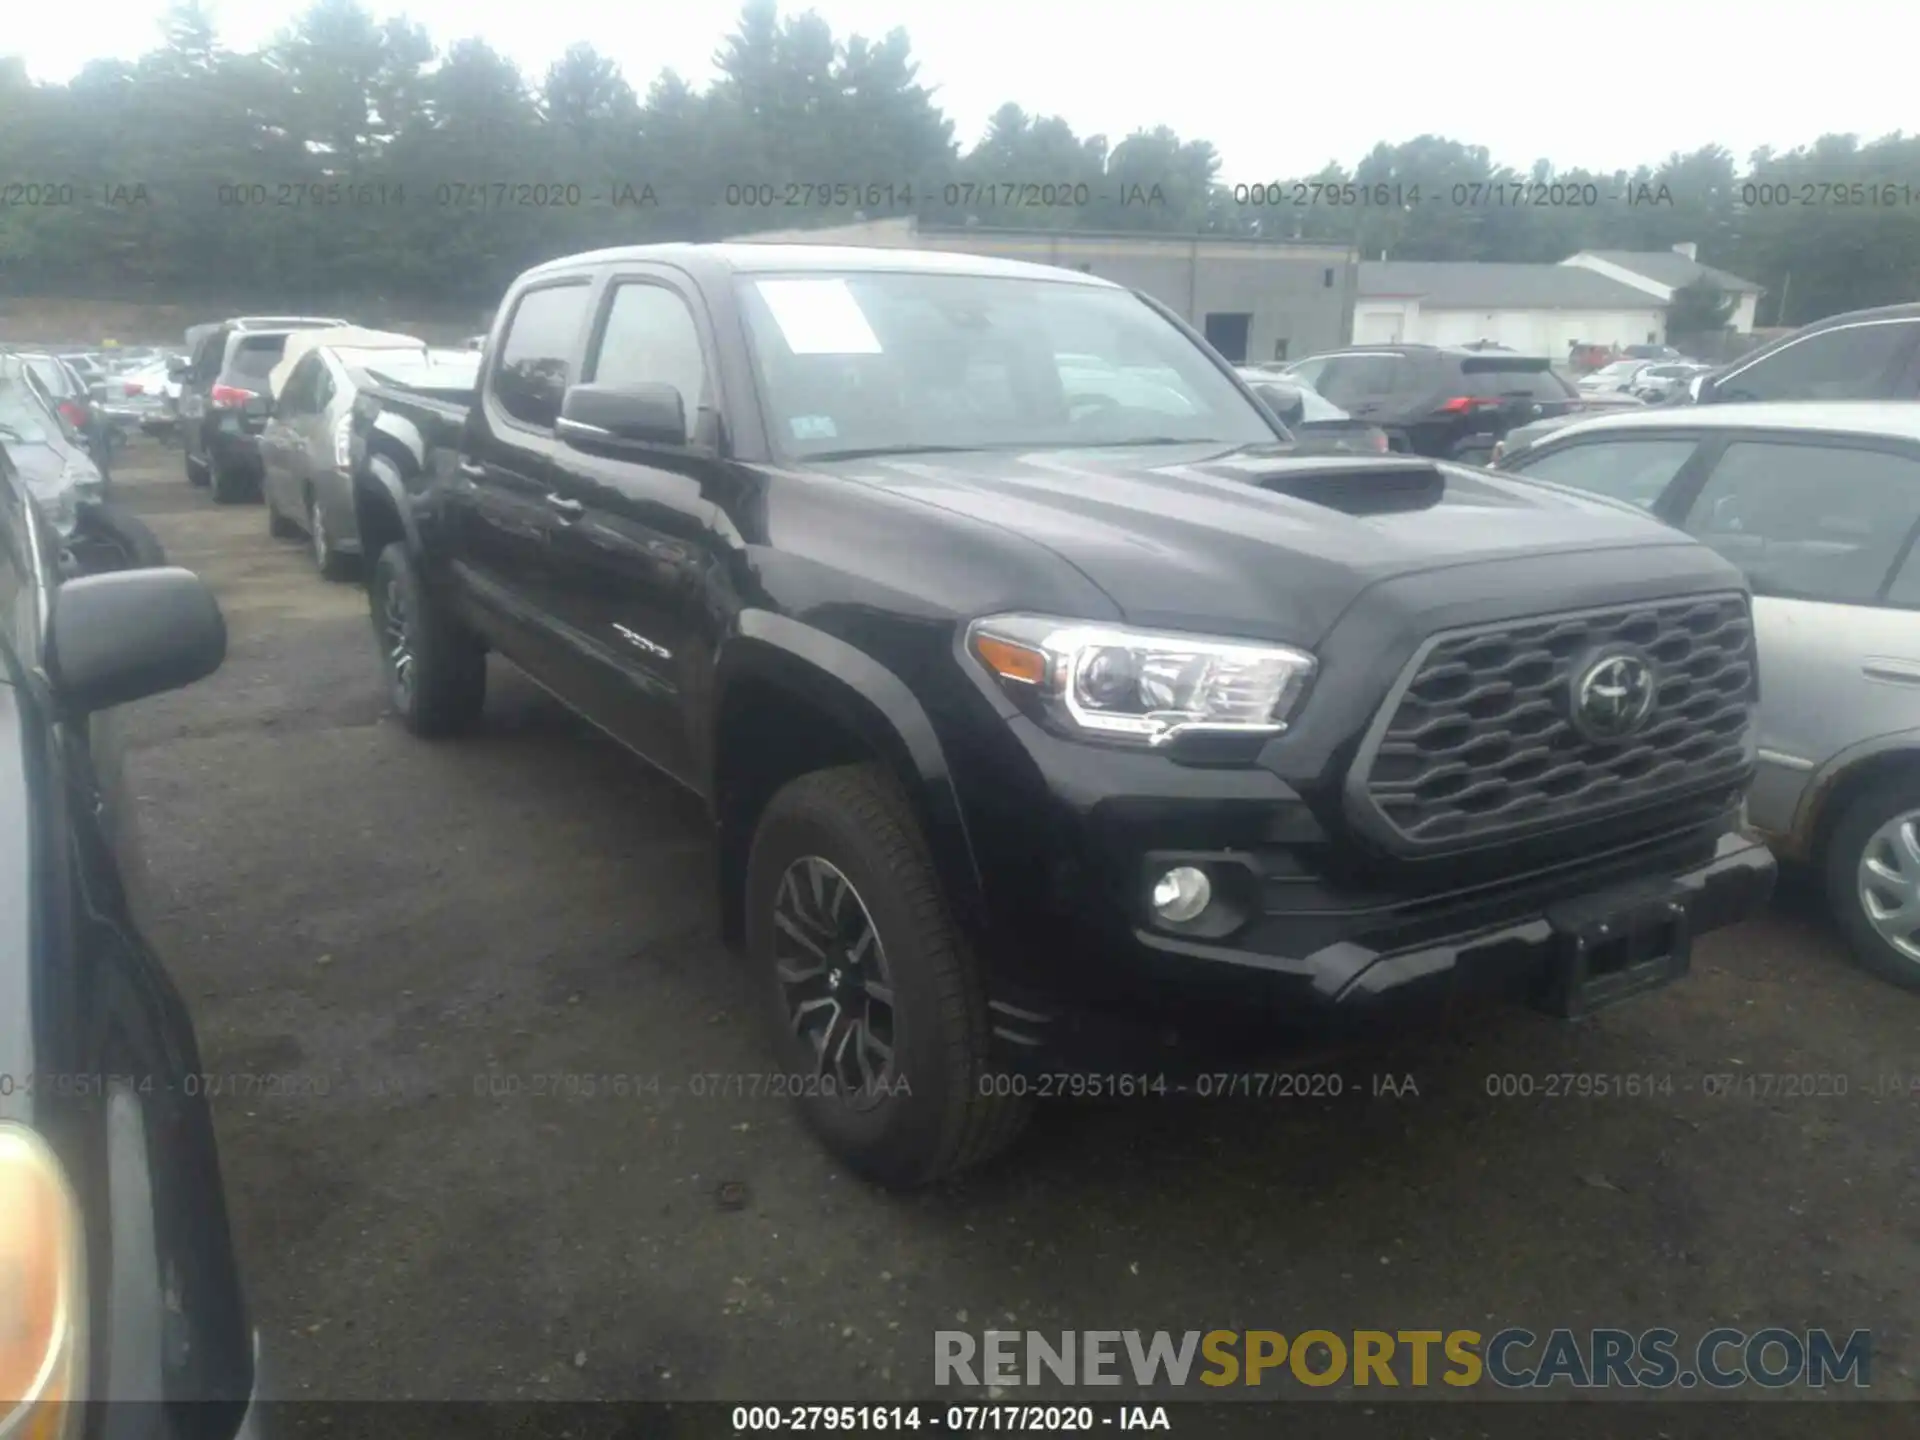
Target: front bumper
{"points": [[1293, 980], [1513, 957]]}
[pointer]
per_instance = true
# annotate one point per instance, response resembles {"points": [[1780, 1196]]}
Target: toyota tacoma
{"points": [[1047, 709]]}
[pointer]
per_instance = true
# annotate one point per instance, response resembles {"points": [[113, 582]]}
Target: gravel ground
{"points": [[417, 929]]}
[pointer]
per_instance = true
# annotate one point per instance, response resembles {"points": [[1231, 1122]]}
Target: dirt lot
{"points": [[414, 928]]}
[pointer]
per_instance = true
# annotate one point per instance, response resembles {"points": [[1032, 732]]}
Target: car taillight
{"points": [[1460, 404], [74, 413], [228, 397], [134, 387], [1380, 441]]}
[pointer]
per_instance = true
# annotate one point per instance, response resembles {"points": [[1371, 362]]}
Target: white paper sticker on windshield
{"points": [[819, 317]]}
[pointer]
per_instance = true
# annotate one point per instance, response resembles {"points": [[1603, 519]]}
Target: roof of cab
{"points": [[1888, 419], [748, 258]]}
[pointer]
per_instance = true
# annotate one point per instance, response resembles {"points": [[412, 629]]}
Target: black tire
{"points": [[278, 526], [196, 470], [938, 1114], [1846, 850], [230, 487], [441, 690], [111, 538], [328, 560]]}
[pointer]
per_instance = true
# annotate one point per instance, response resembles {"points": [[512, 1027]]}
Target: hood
{"points": [[1256, 543]]}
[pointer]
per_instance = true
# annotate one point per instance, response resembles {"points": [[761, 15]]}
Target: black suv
{"points": [[118, 1280], [1861, 355], [224, 399], [1453, 404], [1049, 712]]}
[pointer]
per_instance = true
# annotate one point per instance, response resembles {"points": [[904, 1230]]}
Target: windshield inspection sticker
{"points": [[813, 427], [819, 317]]}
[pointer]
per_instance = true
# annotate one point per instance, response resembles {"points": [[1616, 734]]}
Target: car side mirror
{"points": [[650, 414], [1700, 389], [1285, 402], [116, 638]]}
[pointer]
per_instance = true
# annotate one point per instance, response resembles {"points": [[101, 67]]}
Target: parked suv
{"points": [[1040, 726], [1861, 355], [223, 400], [1431, 400]]}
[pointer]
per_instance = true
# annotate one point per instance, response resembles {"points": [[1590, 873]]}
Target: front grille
{"points": [[1481, 744]]}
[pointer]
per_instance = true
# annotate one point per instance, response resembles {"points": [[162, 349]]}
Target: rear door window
{"points": [[536, 353], [1809, 521], [1637, 471]]}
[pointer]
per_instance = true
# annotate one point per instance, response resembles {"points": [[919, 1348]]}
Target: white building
{"points": [[1535, 309], [1660, 272]]}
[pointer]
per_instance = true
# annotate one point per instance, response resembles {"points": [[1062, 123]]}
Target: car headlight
{"points": [[1138, 685], [43, 1299]]}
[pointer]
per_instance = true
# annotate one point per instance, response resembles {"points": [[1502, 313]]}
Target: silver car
{"points": [[306, 471], [1820, 504]]}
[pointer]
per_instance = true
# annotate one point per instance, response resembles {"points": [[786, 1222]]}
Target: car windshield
{"points": [[52, 374], [23, 419], [892, 361]]}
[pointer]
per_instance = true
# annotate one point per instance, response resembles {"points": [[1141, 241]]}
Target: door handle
{"points": [[567, 509], [472, 470]]}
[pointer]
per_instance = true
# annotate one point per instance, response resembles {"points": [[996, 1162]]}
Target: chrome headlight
{"points": [[1143, 686]]}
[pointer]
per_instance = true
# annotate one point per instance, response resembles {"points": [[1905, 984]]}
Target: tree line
{"points": [[350, 158]]}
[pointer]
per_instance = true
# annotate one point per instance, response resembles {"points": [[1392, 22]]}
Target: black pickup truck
{"points": [[1048, 711]]}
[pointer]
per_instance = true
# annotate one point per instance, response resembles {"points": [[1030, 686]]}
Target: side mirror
{"points": [[116, 638], [1700, 389], [1286, 403], [639, 414]]}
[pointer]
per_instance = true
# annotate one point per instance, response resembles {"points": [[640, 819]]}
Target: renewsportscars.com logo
{"points": [[1773, 1358]]}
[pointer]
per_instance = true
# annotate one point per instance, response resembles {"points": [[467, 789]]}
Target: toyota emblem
{"points": [[1613, 697]]}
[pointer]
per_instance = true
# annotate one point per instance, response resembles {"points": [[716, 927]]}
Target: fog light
{"points": [[1181, 894]]}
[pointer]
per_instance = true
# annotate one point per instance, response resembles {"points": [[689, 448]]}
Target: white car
{"points": [[1819, 503]]}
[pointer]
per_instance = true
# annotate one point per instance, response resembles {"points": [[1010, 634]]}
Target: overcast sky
{"points": [[1279, 86]]}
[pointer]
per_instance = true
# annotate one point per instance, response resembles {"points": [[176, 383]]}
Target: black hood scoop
{"points": [[1361, 486]]}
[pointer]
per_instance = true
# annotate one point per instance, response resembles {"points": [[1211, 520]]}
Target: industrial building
{"points": [[1254, 300]]}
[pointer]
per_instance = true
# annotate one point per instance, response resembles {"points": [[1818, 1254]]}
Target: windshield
{"points": [[52, 374], [23, 419], [898, 361]]}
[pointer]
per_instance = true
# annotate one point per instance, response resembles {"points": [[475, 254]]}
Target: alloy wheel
{"points": [[1889, 883], [834, 980], [397, 632]]}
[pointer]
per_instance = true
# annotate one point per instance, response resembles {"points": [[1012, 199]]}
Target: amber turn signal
{"points": [[1010, 661]]}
